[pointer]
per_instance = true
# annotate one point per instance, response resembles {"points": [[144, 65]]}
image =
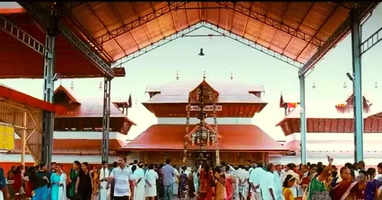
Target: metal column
{"points": [[357, 85], [302, 119], [48, 117], [106, 119]]}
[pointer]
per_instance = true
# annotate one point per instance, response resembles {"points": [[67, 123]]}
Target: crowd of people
{"points": [[137, 181]]}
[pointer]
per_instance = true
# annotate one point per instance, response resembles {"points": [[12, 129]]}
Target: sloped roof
{"points": [[233, 138], [229, 91], [22, 98], [85, 106], [90, 111], [294, 29], [326, 121]]}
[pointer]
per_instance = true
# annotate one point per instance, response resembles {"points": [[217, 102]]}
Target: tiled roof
{"points": [[229, 91], [233, 138]]}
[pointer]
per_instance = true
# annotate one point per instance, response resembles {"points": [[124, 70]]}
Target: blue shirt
{"points": [[168, 174], [2, 179]]}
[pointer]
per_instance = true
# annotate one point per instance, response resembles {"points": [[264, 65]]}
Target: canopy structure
{"points": [[298, 33], [24, 113], [120, 29]]}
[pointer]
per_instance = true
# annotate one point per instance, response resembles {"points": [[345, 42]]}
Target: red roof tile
{"points": [[19, 97], [233, 138], [89, 110]]}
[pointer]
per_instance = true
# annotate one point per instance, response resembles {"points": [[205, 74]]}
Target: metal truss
{"points": [[253, 45], [221, 32], [222, 5], [42, 16], [87, 50], [340, 33], [160, 43], [371, 41], [22, 36], [273, 23], [139, 22]]}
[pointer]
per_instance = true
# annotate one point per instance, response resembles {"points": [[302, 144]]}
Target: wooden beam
{"points": [[23, 140]]}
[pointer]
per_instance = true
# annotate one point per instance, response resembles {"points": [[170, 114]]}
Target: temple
{"points": [[331, 132], [200, 120], [78, 129]]}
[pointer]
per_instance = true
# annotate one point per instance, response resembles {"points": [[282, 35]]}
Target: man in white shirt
{"points": [[253, 180], [104, 185], [151, 178], [277, 182], [267, 185], [121, 176], [139, 177]]}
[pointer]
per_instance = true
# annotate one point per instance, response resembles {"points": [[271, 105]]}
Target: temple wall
{"points": [[242, 158], [234, 158], [159, 157]]}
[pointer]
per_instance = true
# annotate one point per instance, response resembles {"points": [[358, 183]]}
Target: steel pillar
{"points": [[302, 119], [106, 119], [48, 117], [357, 84]]}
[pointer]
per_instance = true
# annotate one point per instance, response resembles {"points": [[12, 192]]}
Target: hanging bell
{"points": [[376, 84], [345, 86], [201, 52], [314, 85]]}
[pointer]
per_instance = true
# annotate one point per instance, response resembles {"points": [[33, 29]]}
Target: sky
{"points": [[225, 56]]}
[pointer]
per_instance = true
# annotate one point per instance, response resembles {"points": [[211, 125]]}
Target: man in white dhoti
{"points": [[277, 183], [243, 182], [139, 178], [104, 185], [235, 184], [255, 174], [151, 178], [62, 184], [175, 186]]}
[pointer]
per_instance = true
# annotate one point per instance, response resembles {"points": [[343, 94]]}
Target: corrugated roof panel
{"points": [[226, 18], [307, 53], [106, 15], [140, 36], [295, 46], [278, 10], [333, 23], [113, 49], [154, 30], [142, 8], [85, 17], [180, 19], [293, 18], [193, 15], [213, 16], [239, 23], [166, 24], [126, 11]]}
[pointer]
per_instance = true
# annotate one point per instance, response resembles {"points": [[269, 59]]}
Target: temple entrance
{"points": [[199, 157]]}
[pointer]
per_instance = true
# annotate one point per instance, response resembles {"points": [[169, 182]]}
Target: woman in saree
{"points": [[73, 175]]}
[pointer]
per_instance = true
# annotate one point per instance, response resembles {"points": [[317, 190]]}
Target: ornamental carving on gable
{"points": [[203, 94]]}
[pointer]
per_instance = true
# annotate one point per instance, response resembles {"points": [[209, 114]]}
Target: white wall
{"points": [[225, 120]]}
